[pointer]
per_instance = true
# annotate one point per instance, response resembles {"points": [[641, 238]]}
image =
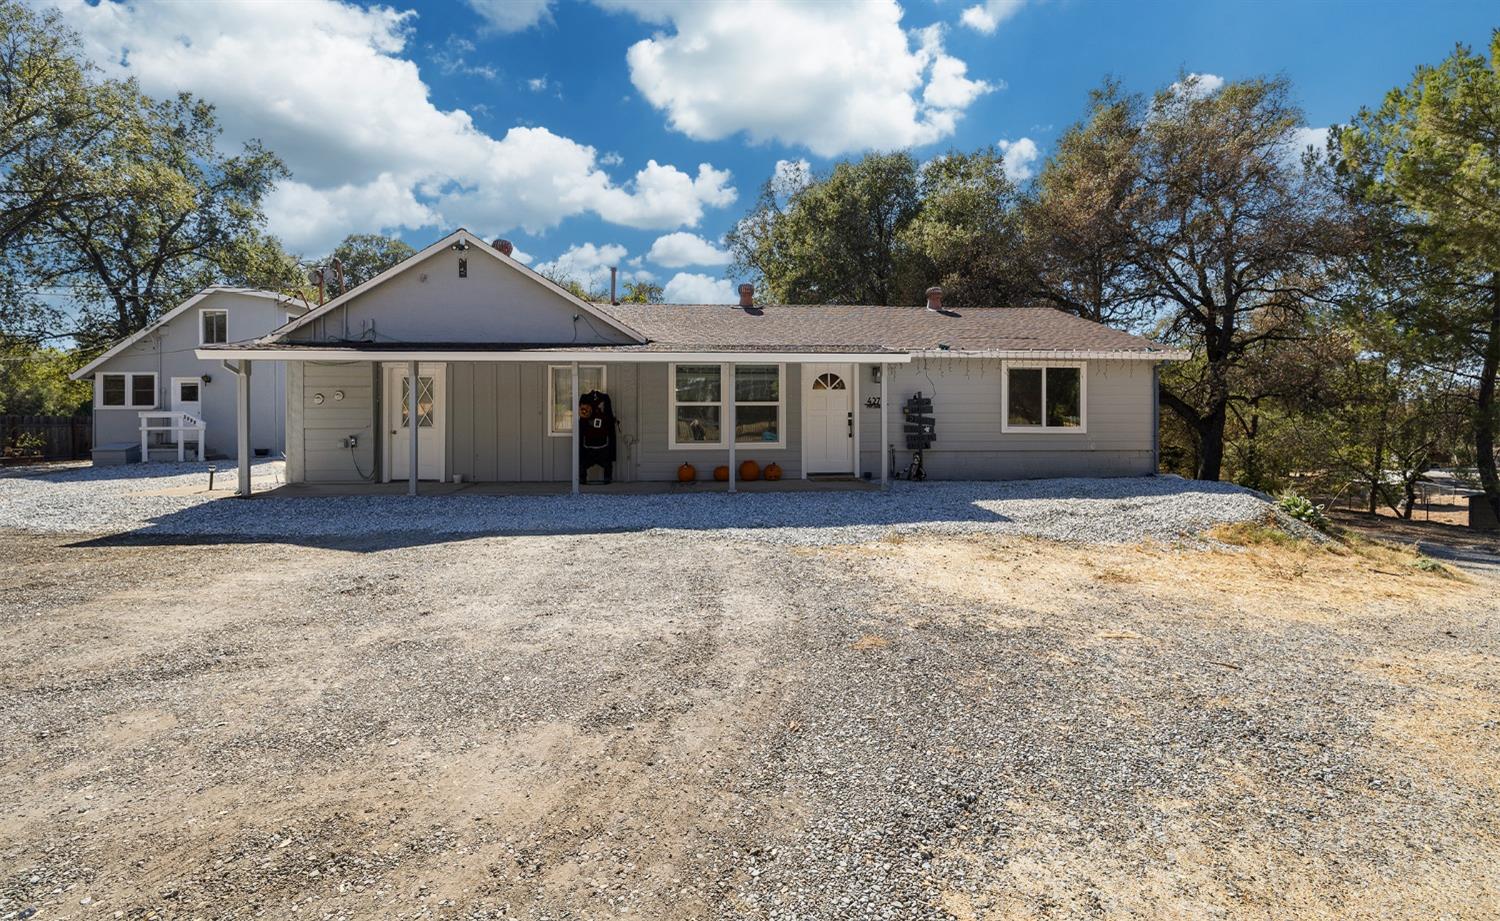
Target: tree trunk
{"points": [[1484, 416], [1211, 446]]}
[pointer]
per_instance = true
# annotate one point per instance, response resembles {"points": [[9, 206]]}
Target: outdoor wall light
{"points": [[875, 373], [208, 378], [338, 395], [318, 399]]}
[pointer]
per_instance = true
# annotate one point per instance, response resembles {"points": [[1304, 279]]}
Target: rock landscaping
{"points": [[169, 500]]}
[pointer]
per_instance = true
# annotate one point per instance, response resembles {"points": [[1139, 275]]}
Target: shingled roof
{"points": [[785, 327]]}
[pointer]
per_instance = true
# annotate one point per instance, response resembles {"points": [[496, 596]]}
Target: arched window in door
{"points": [[828, 381]]}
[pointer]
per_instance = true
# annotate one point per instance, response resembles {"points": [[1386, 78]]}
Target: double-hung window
{"points": [[560, 393], [213, 326], [1042, 396], [127, 390], [699, 396]]}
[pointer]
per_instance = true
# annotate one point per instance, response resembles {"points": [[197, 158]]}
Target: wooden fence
{"points": [[32, 438]]}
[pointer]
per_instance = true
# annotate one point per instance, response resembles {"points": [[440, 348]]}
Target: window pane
{"points": [[113, 390], [424, 402], [756, 423], [1025, 396], [188, 392], [214, 327], [562, 399], [1063, 392], [757, 384], [697, 423], [405, 402], [590, 377], [143, 390], [698, 384]]}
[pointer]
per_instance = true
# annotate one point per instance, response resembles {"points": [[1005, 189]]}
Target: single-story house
{"points": [[502, 355], [155, 397]]}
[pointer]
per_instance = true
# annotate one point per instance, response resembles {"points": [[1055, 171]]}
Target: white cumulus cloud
{"points": [[585, 263], [1020, 158], [675, 250], [1198, 85], [833, 76], [512, 15], [987, 16], [695, 288], [325, 85]]}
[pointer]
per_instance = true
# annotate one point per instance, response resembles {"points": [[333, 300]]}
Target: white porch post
{"points": [[885, 429], [145, 440], [577, 429], [854, 417], [242, 422], [411, 423], [728, 391]]}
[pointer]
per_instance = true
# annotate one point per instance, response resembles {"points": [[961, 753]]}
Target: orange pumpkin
{"points": [[721, 473], [772, 471], [686, 473], [749, 470]]}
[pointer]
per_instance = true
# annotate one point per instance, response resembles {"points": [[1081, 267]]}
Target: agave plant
{"points": [[1303, 509]]}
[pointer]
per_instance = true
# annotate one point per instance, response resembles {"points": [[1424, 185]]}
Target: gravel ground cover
{"points": [[689, 725], [113, 500]]}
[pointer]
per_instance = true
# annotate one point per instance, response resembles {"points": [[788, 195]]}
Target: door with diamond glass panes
{"points": [[430, 418]]}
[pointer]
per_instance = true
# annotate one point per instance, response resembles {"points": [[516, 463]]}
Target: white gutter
{"points": [[1069, 354], [557, 356]]}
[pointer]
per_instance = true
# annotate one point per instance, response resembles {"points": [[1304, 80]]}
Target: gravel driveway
{"points": [[171, 500], [682, 724]]}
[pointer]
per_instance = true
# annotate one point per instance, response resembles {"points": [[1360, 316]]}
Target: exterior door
{"points": [[828, 417], [187, 396], [431, 414]]}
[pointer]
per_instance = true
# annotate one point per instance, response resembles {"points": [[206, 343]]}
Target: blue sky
{"points": [[637, 131]]}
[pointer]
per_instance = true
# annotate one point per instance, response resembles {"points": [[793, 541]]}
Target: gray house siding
{"points": [[315, 431], [492, 302], [1120, 397], [167, 352], [496, 424]]}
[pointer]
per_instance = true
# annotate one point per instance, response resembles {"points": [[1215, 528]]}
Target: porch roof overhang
{"points": [[475, 351]]}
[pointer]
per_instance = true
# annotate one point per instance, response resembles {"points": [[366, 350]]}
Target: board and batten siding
{"points": [[315, 431], [965, 394], [497, 424]]}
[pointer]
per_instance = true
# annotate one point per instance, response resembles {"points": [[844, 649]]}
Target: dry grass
{"points": [[1254, 572], [1251, 580]]}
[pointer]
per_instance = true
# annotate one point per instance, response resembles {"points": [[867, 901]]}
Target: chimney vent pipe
{"points": [[747, 295], [935, 299], [614, 271]]}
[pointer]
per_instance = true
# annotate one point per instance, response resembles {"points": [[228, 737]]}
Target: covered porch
{"points": [[634, 488], [503, 421]]}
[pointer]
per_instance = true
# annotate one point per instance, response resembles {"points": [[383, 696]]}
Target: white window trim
{"points": [[1044, 429], [130, 377], [552, 391], [203, 314], [726, 394]]}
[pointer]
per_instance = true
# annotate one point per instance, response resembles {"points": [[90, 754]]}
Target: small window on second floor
{"points": [[215, 326]]}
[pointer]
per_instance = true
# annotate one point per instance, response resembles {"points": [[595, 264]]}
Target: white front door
{"points": [[828, 417], [187, 396], [431, 415]]}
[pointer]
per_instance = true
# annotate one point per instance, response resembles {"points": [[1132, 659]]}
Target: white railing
{"points": [[181, 427]]}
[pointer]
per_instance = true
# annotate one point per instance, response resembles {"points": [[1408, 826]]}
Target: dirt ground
{"points": [[675, 726]]}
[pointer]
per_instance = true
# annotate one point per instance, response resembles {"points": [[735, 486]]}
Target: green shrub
{"points": [[1303, 509]]}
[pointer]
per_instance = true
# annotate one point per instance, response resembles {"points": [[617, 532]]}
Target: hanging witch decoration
{"points": [[596, 435]]}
